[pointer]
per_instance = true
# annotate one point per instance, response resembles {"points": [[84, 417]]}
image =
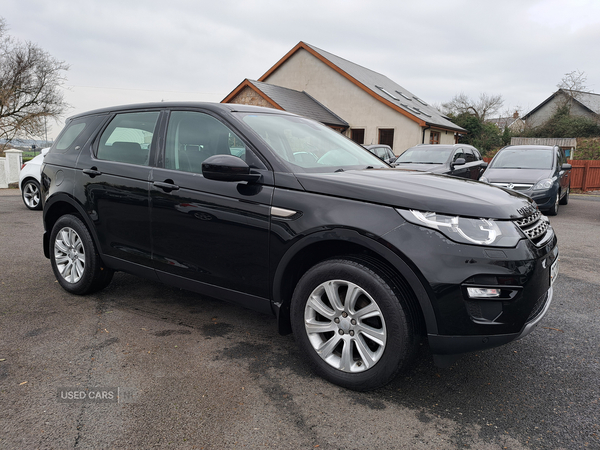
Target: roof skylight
{"points": [[387, 92], [419, 100], [404, 95]]}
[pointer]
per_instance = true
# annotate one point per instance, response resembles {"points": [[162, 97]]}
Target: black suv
{"points": [[285, 216]]}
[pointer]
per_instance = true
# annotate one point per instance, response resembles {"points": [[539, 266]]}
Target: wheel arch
{"points": [[26, 179], [350, 244], [58, 206]]}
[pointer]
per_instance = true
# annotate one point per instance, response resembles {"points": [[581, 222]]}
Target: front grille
{"points": [[534, 226], [514, 186]]}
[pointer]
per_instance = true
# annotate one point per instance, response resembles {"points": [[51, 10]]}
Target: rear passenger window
{"points": [[128, 138]]}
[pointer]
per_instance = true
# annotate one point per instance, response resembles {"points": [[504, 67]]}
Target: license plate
{"points": [[553, 272]]}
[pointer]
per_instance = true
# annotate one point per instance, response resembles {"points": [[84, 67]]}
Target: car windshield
{"points": [[308, 146], [523, 159], [418, 155]]}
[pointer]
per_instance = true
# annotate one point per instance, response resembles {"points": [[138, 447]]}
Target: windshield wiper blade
{"points": [[339, 170]]}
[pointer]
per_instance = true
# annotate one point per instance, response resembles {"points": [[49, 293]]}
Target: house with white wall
{"points": [[582, 104], [365, 105]]}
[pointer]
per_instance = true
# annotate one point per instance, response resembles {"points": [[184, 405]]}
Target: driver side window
{"points": [[192, 137]]}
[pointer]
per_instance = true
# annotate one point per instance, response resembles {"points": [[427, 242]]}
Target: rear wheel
{"points": [[75, 261], [351, 325]]}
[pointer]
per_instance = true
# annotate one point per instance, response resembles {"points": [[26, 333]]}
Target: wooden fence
{"points": [[585, 174]]}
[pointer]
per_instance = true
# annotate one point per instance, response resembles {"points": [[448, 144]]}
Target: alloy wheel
{"points": [[345, 326], [69, 255]]}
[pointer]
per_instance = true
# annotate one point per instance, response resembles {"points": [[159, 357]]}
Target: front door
{"points": [[212, 232]]}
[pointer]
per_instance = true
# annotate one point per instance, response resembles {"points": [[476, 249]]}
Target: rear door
{"points": [[115, 175], [210, 232]]}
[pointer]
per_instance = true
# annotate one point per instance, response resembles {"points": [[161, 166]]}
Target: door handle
{"points": [[93, 172], [166, 186]]}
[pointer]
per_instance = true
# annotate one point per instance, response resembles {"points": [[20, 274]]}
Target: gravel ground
{"points": [[194, 372]]}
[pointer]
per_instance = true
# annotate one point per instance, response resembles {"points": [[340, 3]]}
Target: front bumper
{"points": [[452, 345], [522, 274]]}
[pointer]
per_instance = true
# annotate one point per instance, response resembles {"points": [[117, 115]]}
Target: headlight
{"points": [[465, 230], [544, 184], [484, 179]]}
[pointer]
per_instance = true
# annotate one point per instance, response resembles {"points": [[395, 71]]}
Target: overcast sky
{"points": [[128, 51]]}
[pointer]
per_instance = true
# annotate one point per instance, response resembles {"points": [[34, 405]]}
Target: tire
{"points": [[30, 193], [554, 210], [360, 344], [75, 261], [565, 199]]}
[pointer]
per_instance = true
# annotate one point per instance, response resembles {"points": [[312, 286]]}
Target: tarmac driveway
{"points": [[193, 372]]}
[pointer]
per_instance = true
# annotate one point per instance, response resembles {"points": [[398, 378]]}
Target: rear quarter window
{"points": [[75, 133]]}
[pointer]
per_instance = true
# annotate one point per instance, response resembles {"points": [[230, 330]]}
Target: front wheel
{"points": [[75, 261], [351, 325], [554, 210], [565, 199]]}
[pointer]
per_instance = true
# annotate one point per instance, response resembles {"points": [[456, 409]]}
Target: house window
{"points": [[434, 137], [386, 137], [358, 135]]}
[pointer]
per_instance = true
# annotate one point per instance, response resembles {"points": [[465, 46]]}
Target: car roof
{"points": [[217, 107], [528, 147]]}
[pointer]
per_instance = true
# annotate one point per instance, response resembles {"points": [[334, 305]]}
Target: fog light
{"points": [[475, 292]]}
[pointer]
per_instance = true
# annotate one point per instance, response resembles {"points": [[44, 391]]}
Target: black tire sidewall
{"points": [[92, 266], [399, 335]]}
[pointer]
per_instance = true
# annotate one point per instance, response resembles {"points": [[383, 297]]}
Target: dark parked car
{"points": [[357, 259], [383, 152], [538, 171], [459, 160]]}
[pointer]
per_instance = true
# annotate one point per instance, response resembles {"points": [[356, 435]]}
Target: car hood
{"points": [[529, 176], [435, 168], [422, 191]]}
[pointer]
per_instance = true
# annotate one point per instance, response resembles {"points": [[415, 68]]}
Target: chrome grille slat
{"points": [[534, 226]]}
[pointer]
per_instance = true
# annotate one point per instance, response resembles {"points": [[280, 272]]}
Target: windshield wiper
{"points": [[339, 170]]}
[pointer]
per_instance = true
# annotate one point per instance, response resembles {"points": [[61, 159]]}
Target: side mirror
{"points": [[459, 162], [483, 165], [228, 168], [566, 166]]}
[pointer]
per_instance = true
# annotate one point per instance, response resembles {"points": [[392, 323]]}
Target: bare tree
{"points": [[483, 108], [573, 86], [30, 81]]}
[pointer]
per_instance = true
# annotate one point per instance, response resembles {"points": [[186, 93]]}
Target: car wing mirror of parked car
{"points": [[483, 165], [228, 168], [459, 162], [566, 167]]}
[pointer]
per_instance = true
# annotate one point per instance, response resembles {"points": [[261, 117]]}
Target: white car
{"points": [[29, 181]]}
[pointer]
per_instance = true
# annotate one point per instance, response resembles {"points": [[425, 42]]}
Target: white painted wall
{"points": [[304, 72]]}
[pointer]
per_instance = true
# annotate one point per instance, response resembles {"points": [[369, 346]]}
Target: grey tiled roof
{"points": [[589, 100], [387, 89], [299, 103]]}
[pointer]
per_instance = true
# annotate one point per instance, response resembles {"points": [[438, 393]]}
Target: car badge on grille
{"points": [[511, 186]]}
